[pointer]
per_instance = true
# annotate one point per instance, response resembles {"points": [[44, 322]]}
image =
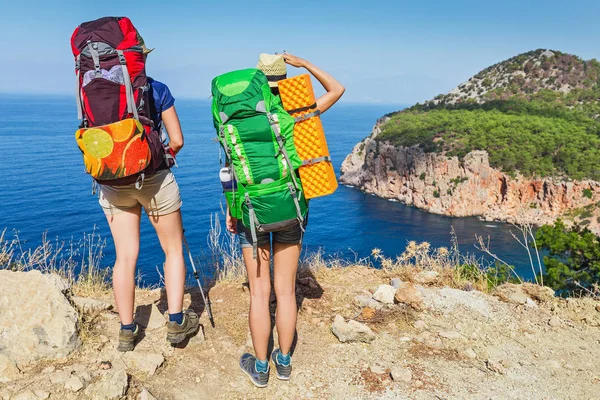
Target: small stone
{"points": [[401, 374], [74, 384], [143, 362], [470, 353], [408, 294], [385, 294], [60, 376], [197, 379], [531, 304], [104, 339], [420, 324], [8, 369], [89, 305], [104, 365], [511, 293], [111, 386], [554, 321], [405, 339], [598, 308], [418, 384], [146, 395], [351, 331], [451, 335], [150, 317], [198, 338], [395, 282], [377, 369], [495, 366], [41, 394], [367, 313]]}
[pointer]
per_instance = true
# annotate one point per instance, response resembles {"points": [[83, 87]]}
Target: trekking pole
{"points": [[206, 303]]}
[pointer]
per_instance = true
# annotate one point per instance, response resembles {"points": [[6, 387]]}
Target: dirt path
{"points": [[459, 345]]}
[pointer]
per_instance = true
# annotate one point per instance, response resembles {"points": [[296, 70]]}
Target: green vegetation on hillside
{"points": [[574, 261], [524, 122]]}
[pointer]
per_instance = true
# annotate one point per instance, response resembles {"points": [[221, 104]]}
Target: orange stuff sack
{"points": [[316, 173]]}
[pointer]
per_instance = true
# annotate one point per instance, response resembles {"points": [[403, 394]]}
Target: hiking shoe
{"points": [[283, 371], [127, 338], [248, 365], [177, 333]]}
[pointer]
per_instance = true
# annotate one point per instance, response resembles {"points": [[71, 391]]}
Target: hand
{"points": [[231, 224], [293, 60]]}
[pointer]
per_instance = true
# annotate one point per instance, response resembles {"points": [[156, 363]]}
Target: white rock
{"points": [[554, 321], [111, 386], [37, 320], [27, 395], [143, 362], [470, 353], [377, 369], [395, 282], [420, 324], [367, 301], [42, 394], [385, 294], [74, 384], [351, 331], [150, 317], [8, 369], [146, 395], [450, 335], [401, 374], [89, 305]]}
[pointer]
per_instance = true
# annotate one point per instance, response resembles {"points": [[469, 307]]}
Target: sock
{"points": [[261, 366], [283, 359], [129, 327], [177, 317]]}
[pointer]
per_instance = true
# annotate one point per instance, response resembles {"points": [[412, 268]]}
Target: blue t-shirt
{"points": [[161, 100]]}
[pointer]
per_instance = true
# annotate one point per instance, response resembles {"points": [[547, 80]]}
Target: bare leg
{"points": [[125, 229], [169, 229], [286, 258], [260, 291]]}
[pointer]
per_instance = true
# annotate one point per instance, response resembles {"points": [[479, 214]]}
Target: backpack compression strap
{"points": [[131, 108], [78, 87]]}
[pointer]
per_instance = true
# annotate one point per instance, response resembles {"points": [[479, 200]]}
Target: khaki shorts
{"points": [[159, 195]]}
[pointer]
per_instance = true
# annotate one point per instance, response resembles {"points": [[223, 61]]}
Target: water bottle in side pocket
{"points": [[231, 193]]}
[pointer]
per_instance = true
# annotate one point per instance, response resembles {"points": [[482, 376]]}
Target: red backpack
{"points": [[119, 142]]}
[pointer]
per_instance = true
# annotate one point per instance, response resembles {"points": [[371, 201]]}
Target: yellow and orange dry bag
{"points": [[316, 173]]}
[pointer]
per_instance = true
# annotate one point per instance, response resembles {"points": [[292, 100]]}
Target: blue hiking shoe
{"points": [[283, 371], [248, 365]]}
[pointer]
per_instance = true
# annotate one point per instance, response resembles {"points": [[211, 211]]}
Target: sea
{"points": [[44, 190]]}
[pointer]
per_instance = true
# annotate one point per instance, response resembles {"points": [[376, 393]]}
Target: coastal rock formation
{"points": [[37, 321], [468, 187]]}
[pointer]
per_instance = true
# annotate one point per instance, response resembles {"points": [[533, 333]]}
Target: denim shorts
{"points": [[291, 235]]}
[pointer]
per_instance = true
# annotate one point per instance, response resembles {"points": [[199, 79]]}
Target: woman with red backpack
{"points": [[123, 112]]}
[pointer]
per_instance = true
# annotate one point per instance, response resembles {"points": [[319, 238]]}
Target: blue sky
{"points": [[382, 51]]}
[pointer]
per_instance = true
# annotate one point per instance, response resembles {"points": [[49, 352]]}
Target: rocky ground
{"points": [[362, 333]]}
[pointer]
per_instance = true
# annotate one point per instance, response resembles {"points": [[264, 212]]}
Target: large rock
{"points": [[37, 321], [512, 293], [385, 294], [143, 362], [408, 294], [150, 317], [364, 300], [111, 386], [351, 331]]}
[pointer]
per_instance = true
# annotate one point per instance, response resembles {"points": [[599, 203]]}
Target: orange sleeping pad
{"points": [[316, 173]]}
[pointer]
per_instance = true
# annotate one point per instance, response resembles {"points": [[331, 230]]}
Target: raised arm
{"points": [[334, 89], [173, 127]]}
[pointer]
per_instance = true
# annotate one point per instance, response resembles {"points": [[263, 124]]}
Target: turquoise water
{"points": [[44, 188]]}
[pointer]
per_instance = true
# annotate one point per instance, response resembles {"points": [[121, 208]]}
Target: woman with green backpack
{"points": [[285, 244]]}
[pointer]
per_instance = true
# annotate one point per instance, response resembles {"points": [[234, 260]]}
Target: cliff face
{"points": [[466, 187]]}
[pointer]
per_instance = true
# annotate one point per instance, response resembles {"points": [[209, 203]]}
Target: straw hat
{"points": [[273, 67]]}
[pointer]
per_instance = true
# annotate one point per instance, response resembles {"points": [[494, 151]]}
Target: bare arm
{"points": [[173, 127], [334, 89]]}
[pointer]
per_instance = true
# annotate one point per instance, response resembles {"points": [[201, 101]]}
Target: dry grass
{"points": [[78, 261]]}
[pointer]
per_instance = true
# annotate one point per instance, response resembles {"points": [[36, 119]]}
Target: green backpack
{"points": [[256, 134]]}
